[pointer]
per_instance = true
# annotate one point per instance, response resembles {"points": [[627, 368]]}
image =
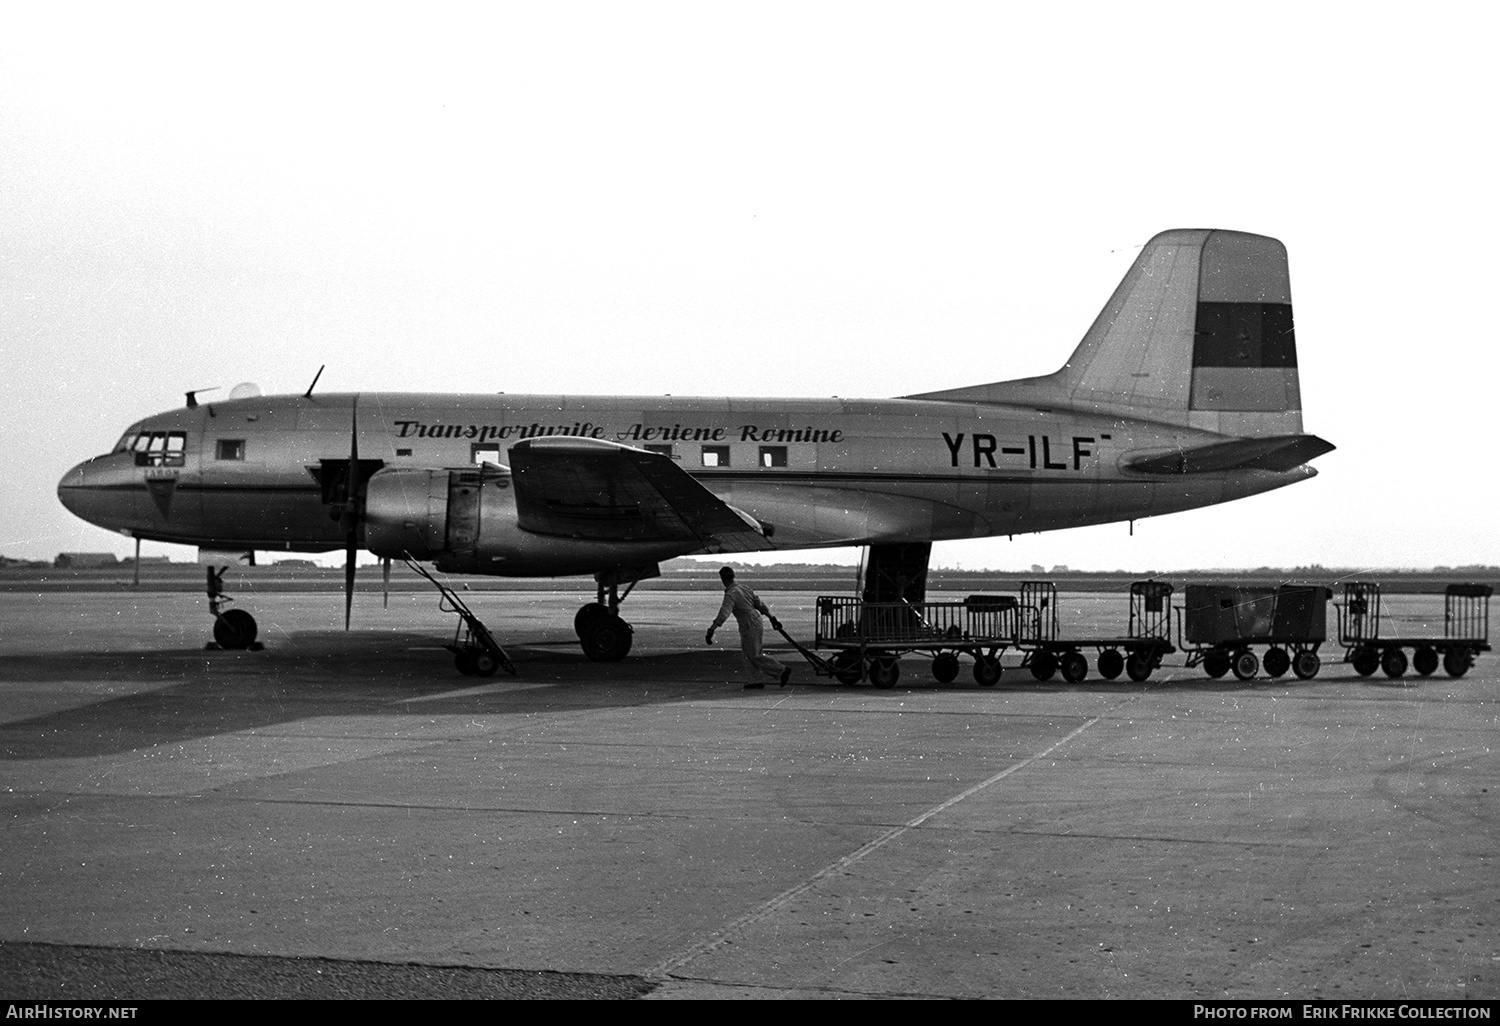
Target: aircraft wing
{"points": [[589, 488], [1280, 453]]}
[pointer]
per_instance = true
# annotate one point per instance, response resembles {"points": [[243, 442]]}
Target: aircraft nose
{"points": [[70, 489]]}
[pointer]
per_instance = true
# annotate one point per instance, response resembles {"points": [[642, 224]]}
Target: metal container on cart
{"points": [[1148, 636], [1219, 623], [1466, 631], [870, 637]]}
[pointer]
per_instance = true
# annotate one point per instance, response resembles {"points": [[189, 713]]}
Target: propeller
{"points": [[351, 512]]}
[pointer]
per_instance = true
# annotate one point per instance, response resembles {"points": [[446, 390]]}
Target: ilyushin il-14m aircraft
{"points": [[1183, 393]]}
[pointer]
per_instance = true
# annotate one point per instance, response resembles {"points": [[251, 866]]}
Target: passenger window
{"points": [[773, 455], [484, 452], [716, 455], [230, 449]]}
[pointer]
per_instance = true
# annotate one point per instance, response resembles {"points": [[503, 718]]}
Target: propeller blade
{"points": [[351, 512], [385, 590]]}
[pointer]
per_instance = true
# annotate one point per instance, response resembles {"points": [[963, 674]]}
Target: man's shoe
{"points": [[786, 675], [753, 685]]}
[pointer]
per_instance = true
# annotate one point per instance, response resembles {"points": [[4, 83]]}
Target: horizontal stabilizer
{"points": [[1280, 453], [598, 490]]}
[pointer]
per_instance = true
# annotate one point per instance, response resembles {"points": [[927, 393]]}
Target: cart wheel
{"points": [[847, 667], [1306, 665], [1245, 665], [1043, 665], [987, 671], [484, 662], [464, 660], [1425, 661], [1393, 662], [1276, 662], [1075, 667], [1138, 666], [885, 670], [1216, 664], [945, 667], [1456, 662], [1111, 663], [234, 628], [1366, 661]]}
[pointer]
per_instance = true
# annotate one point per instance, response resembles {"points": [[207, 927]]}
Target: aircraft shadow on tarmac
{"points": [[331, 673]]}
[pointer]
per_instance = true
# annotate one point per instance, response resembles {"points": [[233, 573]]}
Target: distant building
{"points": [[81, 560], [222, 557], [147, 560]]}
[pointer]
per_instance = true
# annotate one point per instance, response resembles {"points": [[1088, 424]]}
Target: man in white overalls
{"points": [[747, 609]]}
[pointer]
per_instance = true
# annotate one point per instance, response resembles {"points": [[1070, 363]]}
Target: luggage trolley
{"points": [[1466, 630], [870, 636], [1218, 623], [1148, 636]]}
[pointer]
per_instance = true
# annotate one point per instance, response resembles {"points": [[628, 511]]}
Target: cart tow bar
{"points": [[820, 665], [478, 653]]}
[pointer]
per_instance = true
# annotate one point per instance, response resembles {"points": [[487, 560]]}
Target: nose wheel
{"points": [[233, 628]]}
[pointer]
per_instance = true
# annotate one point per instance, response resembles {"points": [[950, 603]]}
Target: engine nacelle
{"points": [[465, 521]]}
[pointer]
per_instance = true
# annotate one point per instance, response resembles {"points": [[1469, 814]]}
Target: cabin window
{"points": [[484, 452], [160, 448], [661, 450], [773, 455], [229, 449], [716, 455]]}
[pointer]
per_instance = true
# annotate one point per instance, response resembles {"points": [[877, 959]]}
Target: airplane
{"points": [[1183, 393]]}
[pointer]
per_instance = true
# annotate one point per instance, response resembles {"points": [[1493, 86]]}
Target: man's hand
{"points": [[708, 639], [775, 623]]}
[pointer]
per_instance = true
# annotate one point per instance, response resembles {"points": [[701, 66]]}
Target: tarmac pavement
{"points": [[650, 825]]}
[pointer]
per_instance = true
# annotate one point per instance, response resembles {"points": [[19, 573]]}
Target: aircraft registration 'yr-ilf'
{"points": [[1183, 393]]}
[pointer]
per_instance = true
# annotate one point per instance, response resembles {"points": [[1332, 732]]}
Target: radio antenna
{"points": [[308, 393]]}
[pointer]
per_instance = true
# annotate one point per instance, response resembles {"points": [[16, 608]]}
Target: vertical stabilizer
{"points": [[1199, 333]]}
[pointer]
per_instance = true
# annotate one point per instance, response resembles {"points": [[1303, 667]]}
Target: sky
{"points": [[764, 199]]}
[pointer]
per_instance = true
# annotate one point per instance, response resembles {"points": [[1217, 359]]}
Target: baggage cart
{"points": [[1218, 624], [870, 637], [1147, 639], [1466, 631]]}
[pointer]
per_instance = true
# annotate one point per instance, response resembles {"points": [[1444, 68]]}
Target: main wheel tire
{"points": [[885, 670], [1043, 665], [588, 614], [1111, 663], [1276, 662], [1074, 666], [606, 639], [234, 628], [1216, 664], [1456, 662], [1425, 661], [1138, 667], [1393, 662], [848, 668], [945, 667], [987, 671], [1366, 661], [1245, 664], [1306, 665]]}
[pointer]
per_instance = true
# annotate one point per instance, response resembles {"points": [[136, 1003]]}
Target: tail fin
{"points": [[1198, 333]]}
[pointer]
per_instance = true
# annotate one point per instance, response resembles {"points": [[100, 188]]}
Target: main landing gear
{"points": [[233, 628], [603, 633]]}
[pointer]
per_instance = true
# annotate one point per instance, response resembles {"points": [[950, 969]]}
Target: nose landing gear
{"points": [[233, 628]]}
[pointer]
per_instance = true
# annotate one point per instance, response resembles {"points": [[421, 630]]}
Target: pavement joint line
{"points": [[663, 969]]}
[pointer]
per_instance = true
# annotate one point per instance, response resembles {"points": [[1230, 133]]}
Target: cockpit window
{"points": [[160, 448]]}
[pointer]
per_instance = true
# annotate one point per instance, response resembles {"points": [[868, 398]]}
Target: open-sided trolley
{"points": [[1148, 636], [1219, 623], [1466, 632], [869, 637]]}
